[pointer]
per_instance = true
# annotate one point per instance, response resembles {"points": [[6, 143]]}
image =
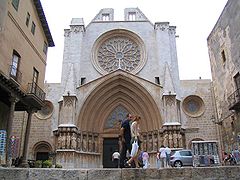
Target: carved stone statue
{"points": [[170, 138], [155, 144], [59, 146], [63, 142], [175, 140], [180, 140], [165, 139], [150, 142], [90, 143], [84, 143], [68, 141], [73, 142], [79, 143]]}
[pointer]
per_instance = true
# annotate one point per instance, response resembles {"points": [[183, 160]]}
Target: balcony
{"points": [[35, 96], [15, 74], [234, 100]]}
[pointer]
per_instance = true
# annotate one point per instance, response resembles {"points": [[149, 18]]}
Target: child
{"points": [[145, 158]]}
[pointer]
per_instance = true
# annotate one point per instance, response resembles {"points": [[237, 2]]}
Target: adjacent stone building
{"points": [[223, 45], [111, 68], [24, 39]]}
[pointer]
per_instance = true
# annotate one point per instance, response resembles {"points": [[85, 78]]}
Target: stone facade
{"points": [[24, 39], [111, 68], [225, 65], [189, 173]]}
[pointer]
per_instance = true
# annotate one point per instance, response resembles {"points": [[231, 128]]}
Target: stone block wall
{"points": [[207, 173]]}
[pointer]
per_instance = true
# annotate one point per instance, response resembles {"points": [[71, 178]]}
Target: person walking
{"points": [[135, 133], [116, 158], [168, 154], [163, 156], [125, 134]]}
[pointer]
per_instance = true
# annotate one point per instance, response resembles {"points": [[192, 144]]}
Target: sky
{"points": [[194, 20]]}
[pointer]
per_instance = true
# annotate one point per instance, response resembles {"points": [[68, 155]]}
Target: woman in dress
{"points": [[135, 134]]}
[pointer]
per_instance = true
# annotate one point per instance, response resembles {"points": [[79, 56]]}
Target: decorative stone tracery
{"points": [[119, 53], [119, 49]]}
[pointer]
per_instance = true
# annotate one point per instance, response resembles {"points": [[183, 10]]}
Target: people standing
{"points": [[135, 133], [116, 158], [168, 154], [145, 157], [125, 133], [163, 156]]}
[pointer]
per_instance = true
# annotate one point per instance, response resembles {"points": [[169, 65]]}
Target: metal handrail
{"points": [[234, 98], [33, 88]]}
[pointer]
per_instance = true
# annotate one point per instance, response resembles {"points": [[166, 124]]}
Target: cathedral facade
{"points": [[111, 68]]}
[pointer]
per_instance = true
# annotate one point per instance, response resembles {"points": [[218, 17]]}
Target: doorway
{"points": [[42, 156], [109, 146]]}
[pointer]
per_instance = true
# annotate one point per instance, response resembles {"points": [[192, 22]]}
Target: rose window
{"points": [[118, 53], [119, 49]]}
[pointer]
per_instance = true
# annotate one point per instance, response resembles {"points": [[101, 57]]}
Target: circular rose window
{"points": [[193, 106], [46, 111], [118, 49]]}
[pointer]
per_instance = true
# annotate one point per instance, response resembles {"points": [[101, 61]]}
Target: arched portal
{"points": [[118, 90], [42, 150]]}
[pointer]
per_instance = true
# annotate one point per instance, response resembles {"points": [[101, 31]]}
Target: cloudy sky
{"points": [[194, 20]]}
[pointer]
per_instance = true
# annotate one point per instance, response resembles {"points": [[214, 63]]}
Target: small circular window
{"points": [[46, 111], [193, 106]]}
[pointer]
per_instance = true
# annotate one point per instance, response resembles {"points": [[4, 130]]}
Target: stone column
{"points": [[13, 101], [26, 138]]}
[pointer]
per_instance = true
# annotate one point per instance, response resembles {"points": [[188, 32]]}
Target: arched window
{"points": [[116, 117]]}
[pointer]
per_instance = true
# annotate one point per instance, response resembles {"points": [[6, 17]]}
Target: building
{"points": [[24, 40], [225, 66], [111, 68]]}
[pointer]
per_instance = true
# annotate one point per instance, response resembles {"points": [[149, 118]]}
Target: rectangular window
{"points": [[15, 65], [132, 16], [105, 17], [35, 75], [27, 19], [237, 80], [45, 47], [83, 80], [157, 80], [33, 28], [15, 4], [223, 56]]}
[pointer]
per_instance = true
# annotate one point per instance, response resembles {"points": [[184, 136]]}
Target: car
{"points": [[181, 158]]}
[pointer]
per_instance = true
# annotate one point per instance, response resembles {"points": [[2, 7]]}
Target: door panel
{"points": [[109, 146]]}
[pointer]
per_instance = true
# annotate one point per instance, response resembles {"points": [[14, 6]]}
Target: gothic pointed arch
{"points": [[118, 90]]}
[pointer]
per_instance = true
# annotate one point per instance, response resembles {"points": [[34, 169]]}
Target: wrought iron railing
{"points": [[33, 88], [234, 99], [15, 74]]}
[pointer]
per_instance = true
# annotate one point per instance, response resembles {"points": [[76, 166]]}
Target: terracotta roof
{"points": [[44, 23]]}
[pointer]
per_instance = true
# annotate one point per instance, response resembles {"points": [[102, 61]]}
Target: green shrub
{"points": [[47, 164], [38, 164], [58, 166]]}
